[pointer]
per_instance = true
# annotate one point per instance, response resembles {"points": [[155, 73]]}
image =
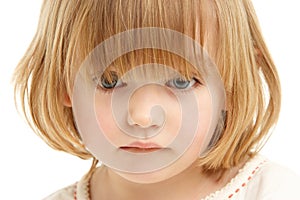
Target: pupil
{"points": [[181, 84], [109, 84]]}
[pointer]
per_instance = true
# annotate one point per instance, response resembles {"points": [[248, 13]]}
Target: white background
{"points": [[31, 170]]}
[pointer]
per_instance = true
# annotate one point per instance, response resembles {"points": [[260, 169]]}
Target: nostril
{"points": [[139, 119], [154, 118]]}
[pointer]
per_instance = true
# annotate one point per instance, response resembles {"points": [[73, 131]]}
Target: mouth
{"points": [[140, 147]]}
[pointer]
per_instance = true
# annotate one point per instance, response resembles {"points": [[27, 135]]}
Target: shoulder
{"points": [[66, 193], [261, 179], [79, 191], [274, 181]]}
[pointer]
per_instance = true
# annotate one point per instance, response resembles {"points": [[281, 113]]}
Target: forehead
{"points": [[149, 64]]}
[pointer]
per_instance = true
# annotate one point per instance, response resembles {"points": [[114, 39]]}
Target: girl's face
{"points": [[151, 119]]}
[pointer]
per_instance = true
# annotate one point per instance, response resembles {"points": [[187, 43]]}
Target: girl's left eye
{"points": [[181, 84]]}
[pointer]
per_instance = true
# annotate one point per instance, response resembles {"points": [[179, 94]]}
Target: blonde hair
{"points": [[69, 29]]}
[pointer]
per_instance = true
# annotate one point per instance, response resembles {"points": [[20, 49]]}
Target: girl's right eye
{"points": [[109, 83]]}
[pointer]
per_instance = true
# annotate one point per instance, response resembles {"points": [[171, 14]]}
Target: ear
{"points": [[67, 100]]}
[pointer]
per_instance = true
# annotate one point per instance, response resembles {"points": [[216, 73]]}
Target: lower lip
{"points": [[140, 150]]}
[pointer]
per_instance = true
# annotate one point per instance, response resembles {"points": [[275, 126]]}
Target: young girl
{"points": [[141, 87]]}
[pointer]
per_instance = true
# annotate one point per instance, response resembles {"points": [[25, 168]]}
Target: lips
{"points": [[140, 147]]}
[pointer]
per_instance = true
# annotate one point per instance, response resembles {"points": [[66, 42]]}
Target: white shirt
{"points": [[259, 179]]}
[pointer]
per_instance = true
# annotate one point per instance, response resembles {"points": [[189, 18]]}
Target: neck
{"points": [[189, 184]]}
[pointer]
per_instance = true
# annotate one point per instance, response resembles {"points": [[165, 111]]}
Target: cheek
{"points": [[105, 118], [103, 105], [201, 137], [205, 115]]}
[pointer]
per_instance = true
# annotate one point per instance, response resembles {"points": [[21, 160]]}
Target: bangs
{"points": [[107, 18]]}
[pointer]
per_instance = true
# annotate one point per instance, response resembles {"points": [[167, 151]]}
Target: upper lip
{"points": [[143, 145]]}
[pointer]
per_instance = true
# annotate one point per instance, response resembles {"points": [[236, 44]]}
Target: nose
{"points": [[147, 106]]}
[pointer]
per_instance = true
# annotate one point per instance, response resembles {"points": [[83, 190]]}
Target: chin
{"points": [[149, 177], [160, 175]]}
